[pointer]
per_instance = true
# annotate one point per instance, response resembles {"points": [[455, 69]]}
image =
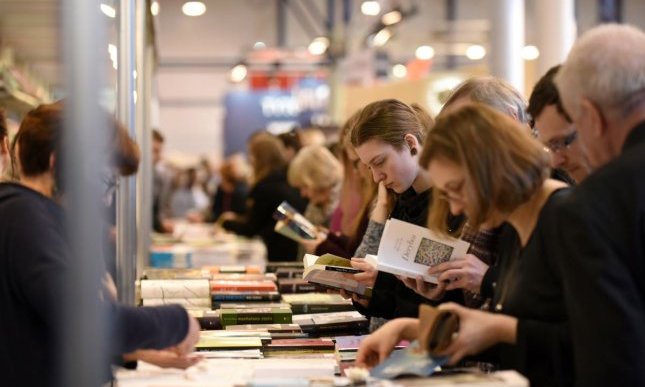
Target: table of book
{"points": [[262, 324]]}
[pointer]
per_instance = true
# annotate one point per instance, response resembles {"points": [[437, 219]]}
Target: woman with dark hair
{"points": [[484, 166], [269, 190], [34, 263]]}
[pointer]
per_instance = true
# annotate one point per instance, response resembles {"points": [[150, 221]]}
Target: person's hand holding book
{"points": [[426, 289], [461, 273], [377, 346]]}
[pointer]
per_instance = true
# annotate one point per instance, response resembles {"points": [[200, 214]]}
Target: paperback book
{"points": [[293, 224], [335, 272], [410, 250], [255, 316]]}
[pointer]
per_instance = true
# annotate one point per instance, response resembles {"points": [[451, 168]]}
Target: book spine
{"points": [[320, 308], [255, 318], [299, 288]]}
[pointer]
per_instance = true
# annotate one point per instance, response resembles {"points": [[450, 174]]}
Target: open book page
{"points": [[293, 224], [410, 250], [333, 271]]}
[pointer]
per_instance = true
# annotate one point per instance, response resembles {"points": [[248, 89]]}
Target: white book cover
{"points": [[197, 288], [410, 250]]}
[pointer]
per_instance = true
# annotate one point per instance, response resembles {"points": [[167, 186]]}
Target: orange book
{"points": [[238, 286]]}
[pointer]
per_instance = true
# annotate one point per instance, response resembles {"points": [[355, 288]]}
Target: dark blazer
{"points": [[602, 253], [265, 196], [34, 259]]}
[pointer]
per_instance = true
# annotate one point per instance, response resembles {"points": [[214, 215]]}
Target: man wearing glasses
{"points": [[555, 129]]}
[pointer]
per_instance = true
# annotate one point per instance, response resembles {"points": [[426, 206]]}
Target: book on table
{"points": [[255, 316], [410, 250], [293, 224], [333, 271], [317, 303]]}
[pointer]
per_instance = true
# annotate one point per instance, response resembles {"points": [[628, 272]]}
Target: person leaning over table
{"points": [[485, 166], [601, 229], [35, 259]]}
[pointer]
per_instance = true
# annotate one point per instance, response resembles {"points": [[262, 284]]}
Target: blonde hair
{"points": [[389, 121], [315, 167], [503, 164]]}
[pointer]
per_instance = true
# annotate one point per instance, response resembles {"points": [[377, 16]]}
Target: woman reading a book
{"points": [[268, 191], [485, 166], [388, 137]]}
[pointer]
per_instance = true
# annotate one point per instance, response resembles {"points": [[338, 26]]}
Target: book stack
{"points": [[332, 324], [190, 293], [317, 303], [244, 288], [264, 315], [299, 348]]}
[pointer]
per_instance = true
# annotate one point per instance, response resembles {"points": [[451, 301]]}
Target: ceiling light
{"points": [[108, 10], [193, 8], [370, 8], [134, 74], [399, 71], [259, 46], [424, 53], [319, 45], [238, 73], [475, 52], [381, 37], [154, 8], [391, 17], [530, 53]]}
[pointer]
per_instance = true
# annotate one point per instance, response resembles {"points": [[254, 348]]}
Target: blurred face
{"points": [[561, 138], [319, 197], [157, 148], [449, 181], [396, 168], [358, 166]]}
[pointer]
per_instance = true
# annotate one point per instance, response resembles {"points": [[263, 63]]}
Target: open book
{"points": [[410, 250], [335, 272], [292, 224]]}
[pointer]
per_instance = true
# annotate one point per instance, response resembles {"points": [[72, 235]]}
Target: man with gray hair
{"points": [[602, 226]]}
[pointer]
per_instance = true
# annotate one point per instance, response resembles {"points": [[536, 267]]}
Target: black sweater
{"points": [[265, 196], [390, 297], [34, 259]]}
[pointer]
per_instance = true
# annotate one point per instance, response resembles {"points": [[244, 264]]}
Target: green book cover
{"points": [[255, 316]]}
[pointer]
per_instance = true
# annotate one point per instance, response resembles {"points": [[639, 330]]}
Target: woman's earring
{"points": [[413, 151]]}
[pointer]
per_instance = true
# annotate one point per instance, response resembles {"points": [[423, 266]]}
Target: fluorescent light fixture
{"points": [[193, 8], [530, 53], [259, 46], [391, 17], [318, 46], [381, 37], [370, 8], [109, 11], [154, 8], [424, 53], [238, 73], [475, 52], [399, 71]]}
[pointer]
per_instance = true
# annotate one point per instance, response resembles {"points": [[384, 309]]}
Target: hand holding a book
{"points": [[368, 274], [310, 245], [461, 273], [426, 289], [477, 331], [377, 347]]}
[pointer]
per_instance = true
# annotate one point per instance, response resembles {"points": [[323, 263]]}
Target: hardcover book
{"points": [[189, 288], [297, 285], [238, 286], [317, 303], [335, 272], [410, 250], [220, 297]]}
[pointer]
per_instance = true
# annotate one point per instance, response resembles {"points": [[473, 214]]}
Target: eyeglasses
{"points": [[562, 143]]}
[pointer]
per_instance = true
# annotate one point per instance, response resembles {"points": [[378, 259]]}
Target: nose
{"points": [[558, 159], [456, 208], [377, 176]]}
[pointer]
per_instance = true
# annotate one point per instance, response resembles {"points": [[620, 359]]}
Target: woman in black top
{"points": [[270, 189], [387, 137], [484, 166]]}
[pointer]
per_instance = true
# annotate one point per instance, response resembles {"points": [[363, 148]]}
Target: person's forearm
{"points": [[505, 328]]}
